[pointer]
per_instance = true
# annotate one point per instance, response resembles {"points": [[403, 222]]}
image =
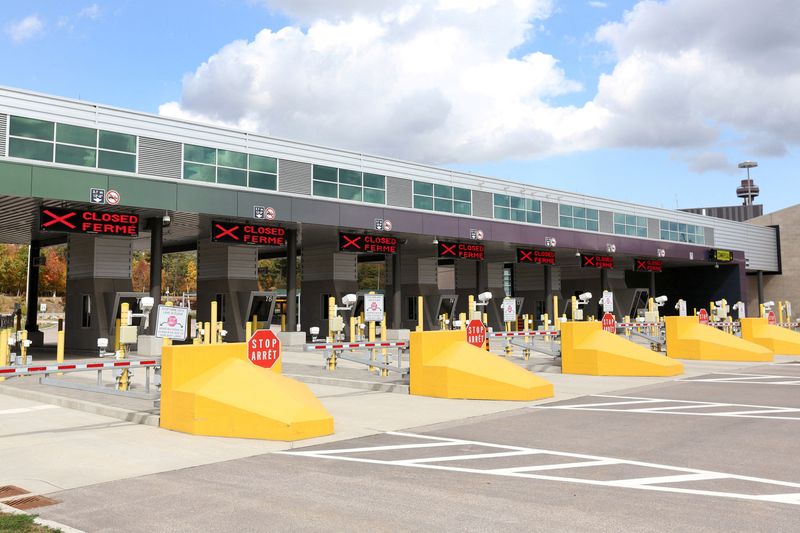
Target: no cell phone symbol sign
{"points": [[112, 197]]}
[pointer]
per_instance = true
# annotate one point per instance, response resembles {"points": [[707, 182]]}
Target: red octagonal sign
{"points": [[702, 316], [476, 333], [264, 348], [609, 323]]}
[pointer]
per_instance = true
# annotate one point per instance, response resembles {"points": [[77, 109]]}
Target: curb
{"points": [[351, 383], [41, 521], [136, 417]]}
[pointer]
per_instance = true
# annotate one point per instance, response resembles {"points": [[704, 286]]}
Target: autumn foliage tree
{"points": [[13, 268]]}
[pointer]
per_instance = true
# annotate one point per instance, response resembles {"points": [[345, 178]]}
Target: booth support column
{"points": [[291, 280], [548, 292], [397, 302], [156, 252], [652, 284], [32, 296], [760, 286]]}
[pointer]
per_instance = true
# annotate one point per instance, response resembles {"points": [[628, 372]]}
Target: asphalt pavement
{"points": [[711, 451]]}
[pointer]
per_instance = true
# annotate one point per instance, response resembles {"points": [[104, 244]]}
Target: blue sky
{"points": [[505, 88]]}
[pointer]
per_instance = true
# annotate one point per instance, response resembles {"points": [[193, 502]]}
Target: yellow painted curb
{"points": [[587, 349], [774, 338], [444, 365], [213, 389], [688, 339]]}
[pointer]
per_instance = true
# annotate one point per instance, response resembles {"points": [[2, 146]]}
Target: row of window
{"points": [[212, 165], [680, 232], [346, 184], [42, 140]]}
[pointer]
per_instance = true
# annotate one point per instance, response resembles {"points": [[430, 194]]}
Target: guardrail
{"points": [[337, 350], [528, 344]]}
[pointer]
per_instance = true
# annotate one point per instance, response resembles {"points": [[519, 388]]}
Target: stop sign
{"points": [[702, 316], [264, 348], [609, 323], [771, 318], [476, 333]]}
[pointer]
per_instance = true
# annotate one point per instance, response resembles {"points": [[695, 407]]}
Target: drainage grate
{"points": [[6, 491], [31, 502]]}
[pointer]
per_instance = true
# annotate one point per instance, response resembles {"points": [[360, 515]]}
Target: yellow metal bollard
{"points": [[120, 354], [471, 306], [4, 349], [60, 343], [462, 318], [212, 336], [248, 330], [283, 322], [23, 350], [116, 335], [384, 351], [353, 329], [373, 353], [508, 349], [574, 303], [420, 314], [331, 319]]}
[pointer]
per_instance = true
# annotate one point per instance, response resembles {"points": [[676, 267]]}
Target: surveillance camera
{"points": [[362, 326], [314, 331], [146, 303], [102, 343], [769, 304], [585, 296], [223, 332], [485, 296], [577, 254], [661, 300], [349, 299], [166, 220], [719, 303]]}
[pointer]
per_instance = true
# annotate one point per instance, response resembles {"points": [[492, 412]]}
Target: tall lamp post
{"points": [[748, 190]]}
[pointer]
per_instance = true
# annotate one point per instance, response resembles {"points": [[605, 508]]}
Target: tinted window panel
{"points": [[232, 176], [263, 181], [76, 135], [199, 154], [39, 151], [264, 164], [32, 128], [74, 155], [195, 172], [117, 141], [115, 161], [227, 158]]}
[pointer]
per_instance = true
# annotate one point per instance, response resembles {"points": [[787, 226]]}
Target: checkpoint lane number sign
{"points": [[609, 323], [476, 333], [264, 348], [171, 322], [702, 316], [373, 307]]}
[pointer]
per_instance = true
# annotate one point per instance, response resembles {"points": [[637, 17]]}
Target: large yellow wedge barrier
{"points": [[587, 349], [445, 365], [689, 339], [213, 389], [778, 340]]}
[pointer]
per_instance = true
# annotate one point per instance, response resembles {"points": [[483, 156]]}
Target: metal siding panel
{"points": [[294, 177], [399, 192], [549, 214], [315, 212], [56, 183], [145, 193], [3, 131], [358, 216], [15, 180], [113, 257], [247, 200], [466, 274], [158, 157], [709, 236], [427, 271], [209, 200], [345, 266], [605, 221], [482, 204], [495, 277], [653, 228], [242, 262]]}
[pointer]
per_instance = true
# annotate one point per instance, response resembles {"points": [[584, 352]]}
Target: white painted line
{"points": [[20, 410], [382, 448], [683, 475], [558, 466], [695, 402], [469, 457], [641, 400], [680, 478], [653, 409]]}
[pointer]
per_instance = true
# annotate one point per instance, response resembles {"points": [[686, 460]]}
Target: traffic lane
{"points": [[743, 446], [731, 393], [280, 492]]}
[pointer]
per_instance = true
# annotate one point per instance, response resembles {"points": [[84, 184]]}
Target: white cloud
{"points": [[25, 29], [92, 12], [599, 5], [439, 80]]}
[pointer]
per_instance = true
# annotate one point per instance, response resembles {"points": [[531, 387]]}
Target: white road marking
{"points": [[20, 410], [680, 407], [741, 378], [654, 483]]}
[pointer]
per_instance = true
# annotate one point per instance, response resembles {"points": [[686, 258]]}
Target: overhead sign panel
{"points": [[366, 243], [647, 265], [459, 250], [597, 261], [539, 257], [722, 256], [237, 233], [95, 222]]}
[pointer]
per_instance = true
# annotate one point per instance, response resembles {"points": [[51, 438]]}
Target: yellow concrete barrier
{"points": [[776, 339], [688, 339], [587, 349], [213, 389], [444, 365]]}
